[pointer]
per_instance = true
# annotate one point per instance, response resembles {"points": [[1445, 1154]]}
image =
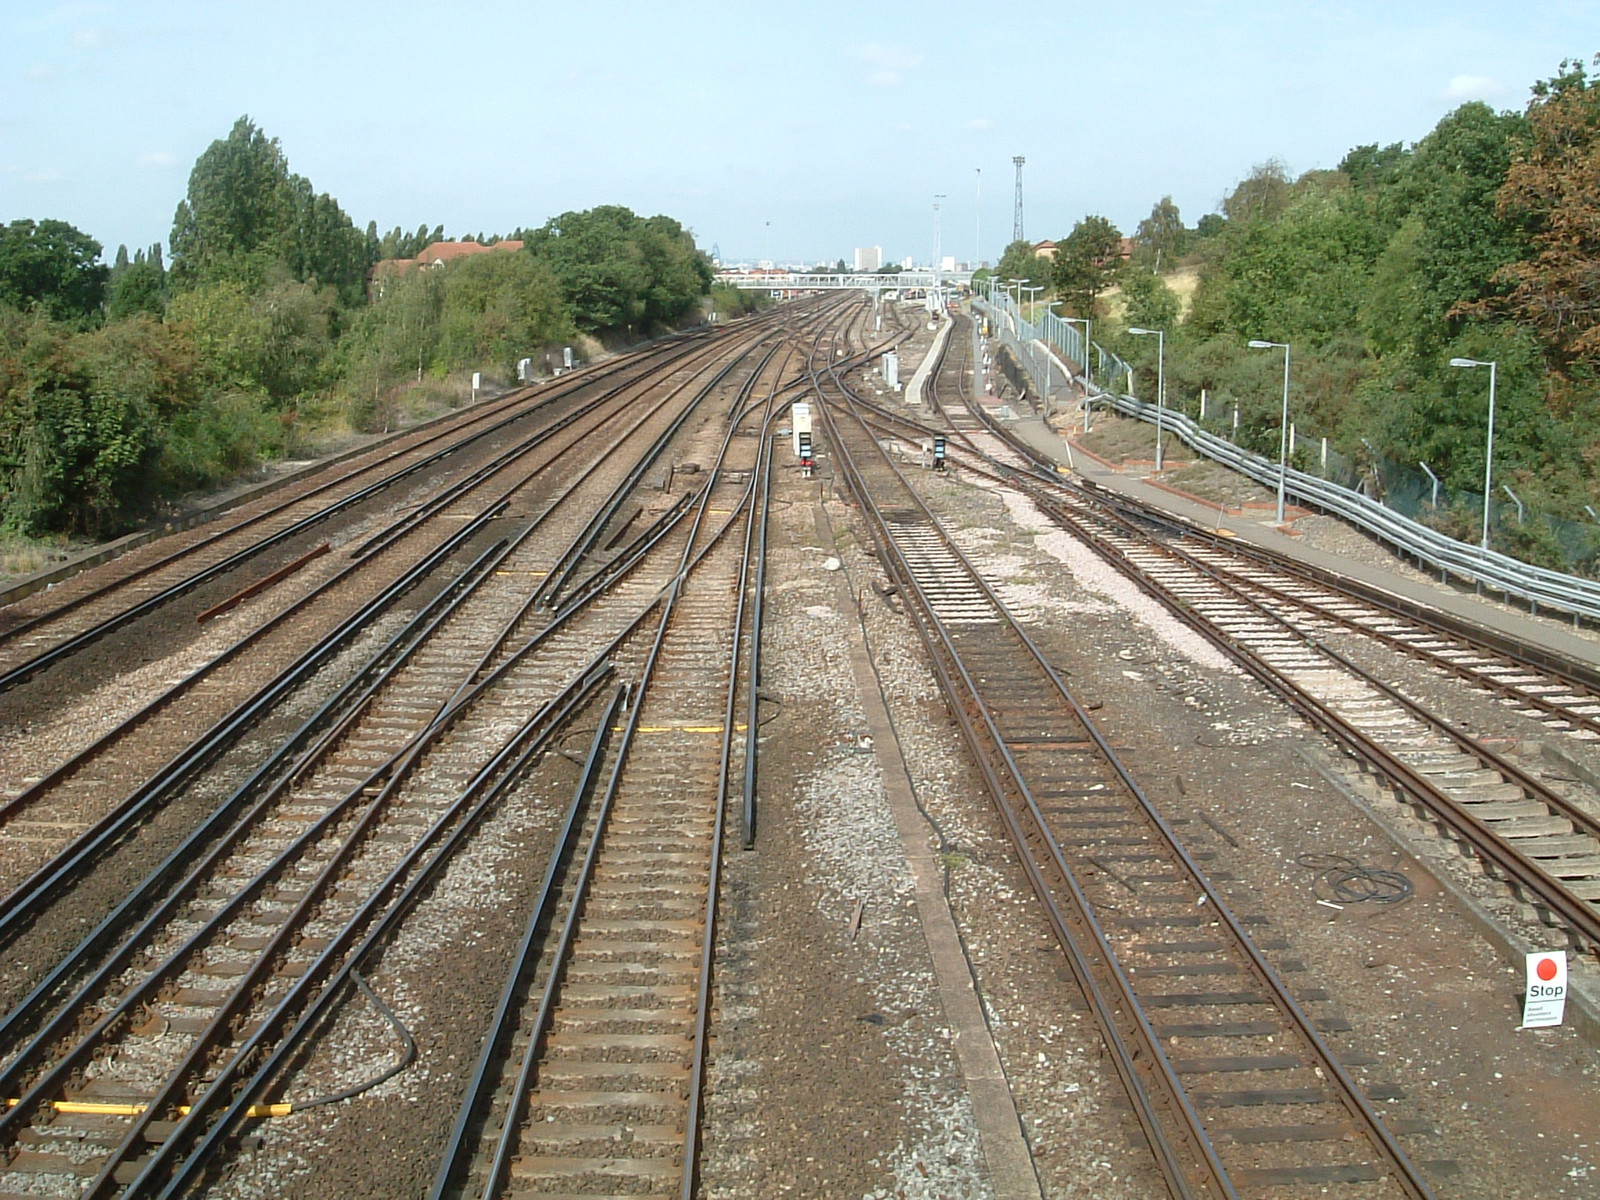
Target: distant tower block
{"points": [[1016, 217]]}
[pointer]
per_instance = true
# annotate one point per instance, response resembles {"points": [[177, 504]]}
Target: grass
{"points": [[21, 556]]}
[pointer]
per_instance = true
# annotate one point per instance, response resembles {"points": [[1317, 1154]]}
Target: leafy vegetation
{"points": [[122, 386], [1479, 241]]}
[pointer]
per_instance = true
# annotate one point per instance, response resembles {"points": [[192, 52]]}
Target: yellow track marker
{"points": [[105, 1108], [679, 728]]}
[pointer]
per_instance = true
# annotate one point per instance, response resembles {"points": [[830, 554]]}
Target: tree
{"points": [[139, 286], [82, 421], [497, 309], [1303, 275], [53, 266], [1020, 262], [1086, 262], [1161, 237], [1552, 196], [1449, 243], [1260, 196], [238, 212], [1150, 302], [245, 212], [619, 271], [274, 341]]}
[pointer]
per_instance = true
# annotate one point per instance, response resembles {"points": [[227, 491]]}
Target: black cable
{"points": [[408, 1057], [1342, 880]]}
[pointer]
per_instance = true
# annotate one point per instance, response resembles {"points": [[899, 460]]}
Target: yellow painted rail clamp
{"points": [[106, 1108]]}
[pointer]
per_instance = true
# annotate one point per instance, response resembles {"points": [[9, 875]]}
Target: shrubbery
{"points": [[121, 387]]}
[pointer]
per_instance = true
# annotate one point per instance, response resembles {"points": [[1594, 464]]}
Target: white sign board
{"points": [[1546, 997], [477, 380]]}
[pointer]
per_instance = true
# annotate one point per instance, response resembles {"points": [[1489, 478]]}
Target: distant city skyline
{"points": [[781, 132]]}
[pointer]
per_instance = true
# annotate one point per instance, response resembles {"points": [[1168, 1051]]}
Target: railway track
{"points": [[545, 477], [590, 1079], [1235, 1087], [1300, 631], [140, 1050], [50, 626]]}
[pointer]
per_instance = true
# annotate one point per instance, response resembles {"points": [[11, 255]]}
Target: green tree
{"points": [[246, 213], [1020, 262], [619, 271], [274, 341], [82, 421], [1261, 195], [497, 309], [1150, 302], [53, 266], [238, 213], [1160, 238], [1086, 262], [1450, 243], [139, 286]]}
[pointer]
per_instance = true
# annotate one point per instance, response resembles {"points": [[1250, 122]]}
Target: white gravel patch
{"points": [[1091, 571]]}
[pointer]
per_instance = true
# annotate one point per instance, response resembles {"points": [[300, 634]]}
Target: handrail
{"points": [[1536, 586]]}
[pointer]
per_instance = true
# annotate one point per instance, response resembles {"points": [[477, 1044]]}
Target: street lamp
{"points": [[1088, 369], [1161, 385], [1283, 431], [1488, 454]]}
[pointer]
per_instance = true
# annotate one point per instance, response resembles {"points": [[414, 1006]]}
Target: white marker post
{"points": [[477, 382], [1546, 997]]}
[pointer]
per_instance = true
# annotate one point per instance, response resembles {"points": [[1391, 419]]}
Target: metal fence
{"points": [[1539, 587]]}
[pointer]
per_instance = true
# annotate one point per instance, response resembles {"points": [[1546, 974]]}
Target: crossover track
{"points": [[132, 1056], [1289, 1113]]}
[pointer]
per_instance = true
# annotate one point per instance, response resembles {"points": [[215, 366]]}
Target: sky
{"points": [[780, 131]]}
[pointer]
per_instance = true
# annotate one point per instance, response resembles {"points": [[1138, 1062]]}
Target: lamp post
{"points": [[1488, 453], [1283, 431], [1033, 353], [938, 248], [1088, 370], [1032, 291], [1161, 386]]}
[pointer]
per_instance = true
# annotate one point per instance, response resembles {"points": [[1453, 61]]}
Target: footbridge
{"points": [[871, 281]]}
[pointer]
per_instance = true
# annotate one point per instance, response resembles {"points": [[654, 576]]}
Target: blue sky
{"points": [[794, 131]]}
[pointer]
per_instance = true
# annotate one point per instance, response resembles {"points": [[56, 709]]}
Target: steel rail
{"points": [[461, 1141], [567, 610], [549, 590], [756, 509], [1581, 677], [24, 902], [213, 1114], [168, 883], [1579, 916], [15, 675], [752, 726], [1003, 779], [65, 769], [1348, 1092], [1521, 869], [42, 1087], [447, 427], [474, 1111], [486, 564], [66, 648]]}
